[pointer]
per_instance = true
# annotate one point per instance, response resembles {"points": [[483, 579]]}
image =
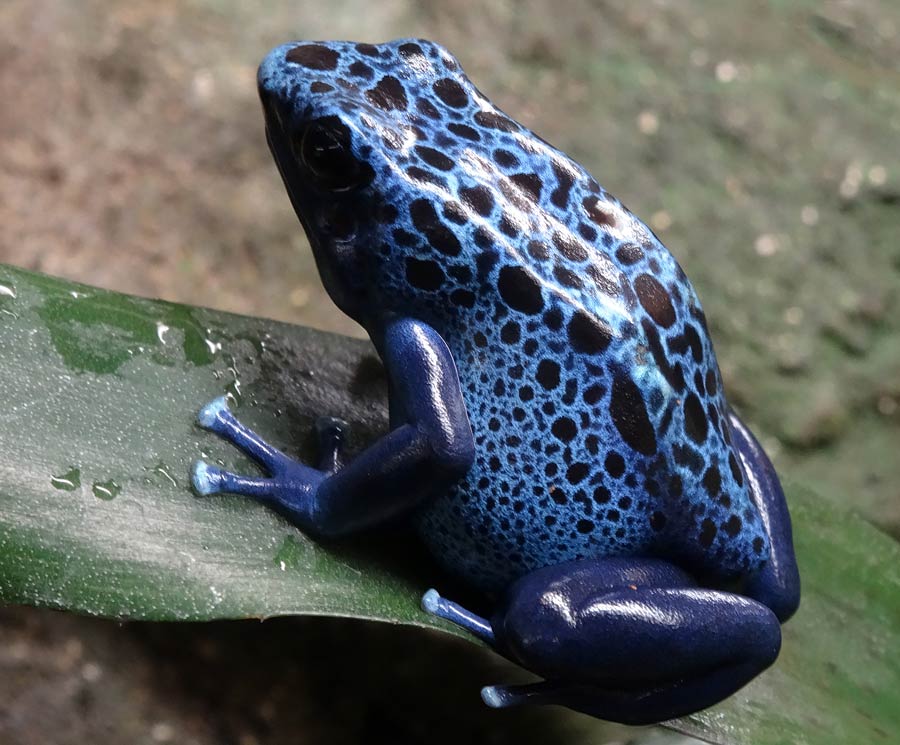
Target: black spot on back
{"points": [[695, 422], [479, 198], [629, 414], [520, 289], [629, 253], [599, 212], [319, 87], [708, 532], [388, 94], [564, 429], [464, 130], [548, 374], [313, 56], [655, 300], [712, 481], [614, 464], [587, 335], [493, 120], [434, 158], [530, 183]]}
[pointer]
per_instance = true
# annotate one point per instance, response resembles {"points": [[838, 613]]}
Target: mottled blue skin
{"points": [[556, 405]]}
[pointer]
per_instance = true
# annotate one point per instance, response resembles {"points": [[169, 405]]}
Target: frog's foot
{"points": [[435, 605], [290, 485]]}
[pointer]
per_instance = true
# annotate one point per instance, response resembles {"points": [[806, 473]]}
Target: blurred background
{"points": [[758, 139]]}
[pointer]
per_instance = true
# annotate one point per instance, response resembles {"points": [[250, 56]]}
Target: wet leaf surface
{"points": [[99, 394]]}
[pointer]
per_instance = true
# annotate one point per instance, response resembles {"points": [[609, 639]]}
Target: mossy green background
{"points": [[758, 139]]}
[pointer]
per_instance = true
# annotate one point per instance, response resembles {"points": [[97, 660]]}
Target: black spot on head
{"points": [[479, 198], [388, 94], [629, 253], [599, 212], [426, 275], [584, 526], [360, 70], [319, 87], [564, 429], [410, 49], [464, 130], [494, 120], [426, 177], [587, 335], [530, 183], [695, 422], [520, 289], [758, 544], [538, 251], [655, 300], [424, 106], [453, 211], [712, 481], [434, 158], [629, 414], [505, 158], [602, 495], [657, 521], [566, 277], [614, 464], [313, 56], [708, 532], [510, 333], [570, 247], [732, 526], [451, 93], [429, 224]]}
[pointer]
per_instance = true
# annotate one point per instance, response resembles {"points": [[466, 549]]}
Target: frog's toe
{"points": [[211, 413], [497, 697], [205, 479]]}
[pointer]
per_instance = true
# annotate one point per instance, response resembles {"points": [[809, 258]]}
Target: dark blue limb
{"points": [[430, 448], [629, 640], [479, 627], [777, 585]]}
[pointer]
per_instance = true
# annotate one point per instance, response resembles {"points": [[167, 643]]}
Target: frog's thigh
{"points": [[643, 642]]}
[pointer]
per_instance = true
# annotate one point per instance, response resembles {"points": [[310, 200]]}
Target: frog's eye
{"points": [[326, 154]]}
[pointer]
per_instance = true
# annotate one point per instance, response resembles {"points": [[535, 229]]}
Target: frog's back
{"points": [[585, 362], [584, 356]]}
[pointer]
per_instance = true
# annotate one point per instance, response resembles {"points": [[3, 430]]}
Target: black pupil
{"points": [[325, 151]]}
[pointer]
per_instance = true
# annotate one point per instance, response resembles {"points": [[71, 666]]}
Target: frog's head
{"points": [[346, 124]]}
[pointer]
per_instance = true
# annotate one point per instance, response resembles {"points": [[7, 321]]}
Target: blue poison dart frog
{"points": [[559, 434]]}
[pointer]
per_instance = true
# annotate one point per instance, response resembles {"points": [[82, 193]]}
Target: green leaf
{"points": [[99, 396]]}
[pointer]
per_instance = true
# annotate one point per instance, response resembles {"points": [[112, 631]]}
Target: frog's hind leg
{"points": [[635, 641]]}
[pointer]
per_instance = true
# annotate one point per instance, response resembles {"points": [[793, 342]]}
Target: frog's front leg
{"points": [[430, 447], [635, 641]]}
